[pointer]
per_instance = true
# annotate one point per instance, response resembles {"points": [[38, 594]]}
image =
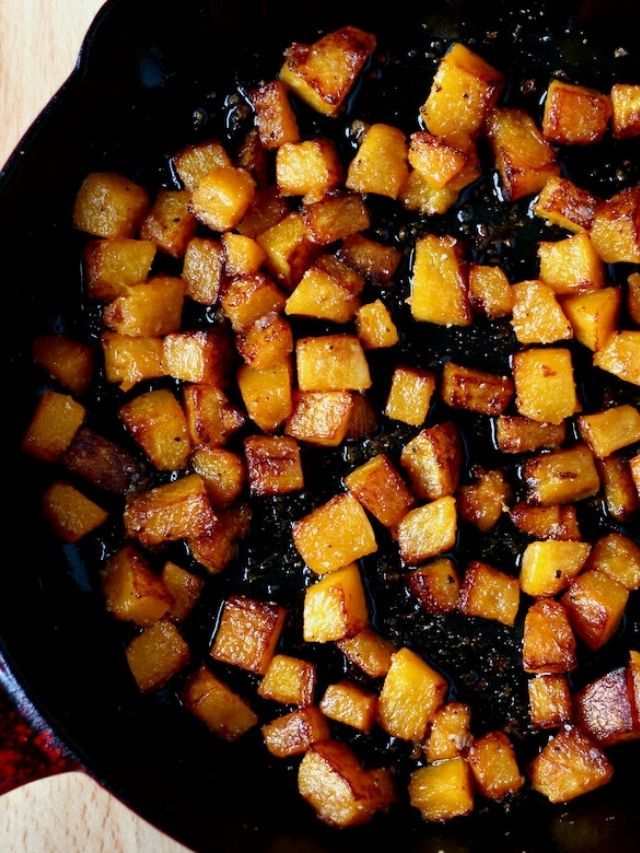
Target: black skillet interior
{"points": [[153, 77]]}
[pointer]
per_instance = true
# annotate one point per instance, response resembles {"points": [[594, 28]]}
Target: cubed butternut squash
{"points": [[439, 160], [332, 363], [433, 461], [428, 530], [548, 567], [196, 161], [569, 766], [328, 290], [595, 603], [248, 298], [615, 230], [294, 733], [222, 197], [335, 607], [147, 310], [438, 282], [288, 680], [546, 522], [248, 632], [411, 694], [70, 362], [369, 258], [275, 118], [625, 102], [436, 585], [380, 165], [109, 205], [266, 394], [443, 790], [634, 466], [320, 417], [156, 655], [202, 270], [475, 390], [620, 495], [610, 430], [633, 297], [493, 763], [350, 705], [490, 291], [621, 357], [549, 645], [575, 115], [483, 502], [131, 360], [210, 416], [537, 315], [309, 169], [273, 465], [289, 247], [410, 395], [111, 266], [252, 156], [449, 735], [381, 490], [594, 316], [369, 652], [544, 383], [489, 594], [267, 209], [335, 218], [562, 203], [571, 266], [217, 548], [185, 589], [561, 477], [550, 705], [55, 422], [604, 711], [242, 255], [266, 343], [71, 514], [217, 706], [516, 434], [418, 195], [618, 557], [157, 423], [131, 589], [375, 326], [169, 224]]}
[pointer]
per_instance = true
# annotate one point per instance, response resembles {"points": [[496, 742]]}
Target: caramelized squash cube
{"points": [[594, 316], [380, 165], [436, 586], [369, 652], [561, 477], [515, 434], [620, 496], [563, 203], [490, 291], [268, 208], [375, 326], [571, 265], [411, 694], [548, 645], [70, 362], [418, 195], [273, 465], [223, 473], [615, 231], [266, 343], [341, 791], [449, 735], [537, 315], [569, 766], [410, 395], [625, 101], [309, 169], [131, 360], [177, 510], [222, 197], [170, 225], [296, 732], [266, 394], [323, 73], [55, 422], [548, 567], [156, 655], [483, 502], [242, 255], [216, 549], [248, 633], [132, 591], [320, 417], [184, 588], [380, 489], [523, 158], [494, 766], [371, 259], [575, 115], [545, 388], [289, 247], [428, 530], [610, 430], [327, 291], [618, 557], [334, 535], [464, 92], [104, 463], [335, 218], [335, 607], [70, 514], [438, 160], [595, 604], [202, 270], [433, 461], [217, 706], [196, 161], [549, 701], [604, 711], [157, 423], [109, 205], [489, 594], [252, 157], [475, 390], [111, 266], [443, 790], [275, 119], [438, 283], [332, 363], [350, 705], [248, 298], [546, 522], [288, 680], [210, 416], [621, 357], [147, 310]]}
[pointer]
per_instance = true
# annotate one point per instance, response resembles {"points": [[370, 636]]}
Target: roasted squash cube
{"points": [[223, 473], [575, 115], [411, 694], [288, 680], [350, 705], [217, 706], [549, 701], [594, 316], [157, 423], [184, 588], [289, 247], [442, 791], [332, 363], [515, 434], [615, 231], [252, 156], [109, 205], [266, 343], [147, 310], [368, 651], [111, 266], [438, 160], [71, 514], [490, 291], [320, 417], [266, 394], [561, 477], [625, 101], [196, 161], [548, 645], [248, 633], [268, 208], [170, 225], [335, 218], [247, 299], [309, 169], [608, 431], [242, 255], [418, 195], [428, 530], [296, 732], [494, 766], [436, 586], [273, 465], [621, 357], [523, 158], [433, 461], [483, 502], [222, 197], [104, 463], [545, 388], [70, 362], [449, 735], [216, 549], [618, 557], [604, 711], [210, 416], [563, 203], [202, 270], [475, 390], [438, 283], [335, 607], [275, 119], [546, 522], [464, 91], [548, 567], [570, 765], [380, 489], [323, 73], [132, 591], [571, 265], [595, 604], [410, 395], [156, 655], [620, 494], [375, 327], [380, 165], [489, 594], [177, 510], [55, 422], [537, 315], [341, 791], [334, 534], [131, 360], [369, 258], [327, 291]]}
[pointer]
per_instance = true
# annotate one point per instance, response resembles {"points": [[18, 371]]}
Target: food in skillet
{"points": [[224, 413]]}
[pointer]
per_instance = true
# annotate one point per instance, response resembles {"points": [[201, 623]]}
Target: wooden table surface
{"points": [[39, 42]]}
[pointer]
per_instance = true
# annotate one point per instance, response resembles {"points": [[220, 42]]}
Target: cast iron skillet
{"points": [[149, 79]]}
